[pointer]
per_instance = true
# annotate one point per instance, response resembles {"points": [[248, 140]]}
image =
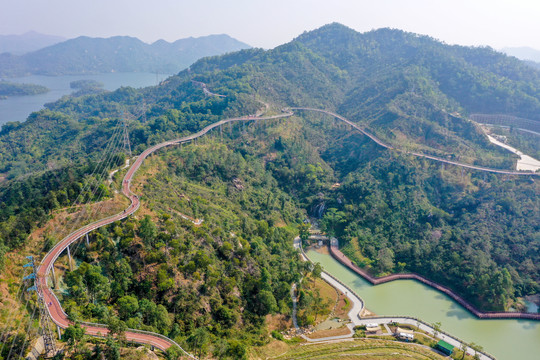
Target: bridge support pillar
{"points": [[87, 241], [70, 260], [53, 276], [59, 332]]}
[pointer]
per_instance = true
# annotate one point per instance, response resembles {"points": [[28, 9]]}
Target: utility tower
{"points": [[127, 145], [44, 320]]}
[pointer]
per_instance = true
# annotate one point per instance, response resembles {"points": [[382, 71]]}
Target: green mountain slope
{"points": [[409, 90]]}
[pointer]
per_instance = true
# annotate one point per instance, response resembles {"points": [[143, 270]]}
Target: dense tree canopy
{"points": [[254, 184]]}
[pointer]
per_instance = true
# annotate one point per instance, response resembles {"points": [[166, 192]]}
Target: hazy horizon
{"points": [[498, 24], [503, 49], [106, 37]]}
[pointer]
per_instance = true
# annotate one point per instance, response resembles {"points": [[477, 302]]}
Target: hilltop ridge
{"points": [[85, 54], [29, 41]]}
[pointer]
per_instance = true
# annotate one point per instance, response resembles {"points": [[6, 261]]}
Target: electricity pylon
{"points": [[44, 320]]}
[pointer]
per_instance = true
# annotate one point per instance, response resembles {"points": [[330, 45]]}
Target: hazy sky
{"points": [[496, 23]]}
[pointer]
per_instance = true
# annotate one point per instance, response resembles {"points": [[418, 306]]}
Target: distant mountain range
{"points": [[85, 55], [523, 53], [27, 42], [529, 55]]}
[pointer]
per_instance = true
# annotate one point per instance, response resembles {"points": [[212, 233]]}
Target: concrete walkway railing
{"points": [[339, 256], [357, 319]]}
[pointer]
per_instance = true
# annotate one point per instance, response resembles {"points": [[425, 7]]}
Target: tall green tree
{"points": [[147, 230]]}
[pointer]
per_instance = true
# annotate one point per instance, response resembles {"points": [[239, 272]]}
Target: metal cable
{"points": [[12, 314], [27, 333], [106, 154], [101, 190], [17, 331], [106, 159]]}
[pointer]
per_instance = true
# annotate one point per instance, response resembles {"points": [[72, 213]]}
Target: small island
{"points": [[14, 89], [86, 87], [85, 83]]}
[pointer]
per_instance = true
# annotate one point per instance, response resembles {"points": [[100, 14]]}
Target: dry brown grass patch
{"points": [[278, 322], [327, 333]]}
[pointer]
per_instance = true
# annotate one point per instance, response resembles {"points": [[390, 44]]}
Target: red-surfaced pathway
{"points": [[58, 316]]}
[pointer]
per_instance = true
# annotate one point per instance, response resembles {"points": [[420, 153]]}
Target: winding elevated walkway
{"points": [[435, 158], [507, 121], [60, 318], [54, 307]]}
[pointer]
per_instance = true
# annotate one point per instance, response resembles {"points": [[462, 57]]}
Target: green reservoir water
{"points": [[504, 339]]}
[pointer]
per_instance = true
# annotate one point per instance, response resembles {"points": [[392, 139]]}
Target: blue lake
{"points": [[17, 108]]}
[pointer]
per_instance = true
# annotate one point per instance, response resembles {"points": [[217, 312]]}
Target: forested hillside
{"points": [[474, 232], [210, 287], [13, 89]]}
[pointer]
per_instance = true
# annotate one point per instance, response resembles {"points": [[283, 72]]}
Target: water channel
{"points": [[504, 339]]}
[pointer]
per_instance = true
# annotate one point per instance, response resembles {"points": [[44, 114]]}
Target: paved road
{"points": [[508, 127], [56, 312], [358, 304], [295, 322], [205, 89], [435, 158], [353, 313]]}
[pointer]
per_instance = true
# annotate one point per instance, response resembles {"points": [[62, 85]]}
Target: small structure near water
{"points": [[404, 334], [445, 347], [373, 329]]}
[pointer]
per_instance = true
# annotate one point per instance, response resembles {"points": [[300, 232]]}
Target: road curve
{"points": [[435, 158], [54, 308]]}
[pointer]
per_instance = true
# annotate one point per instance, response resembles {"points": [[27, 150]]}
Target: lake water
{"points": [[504, 339], [17, 108]]}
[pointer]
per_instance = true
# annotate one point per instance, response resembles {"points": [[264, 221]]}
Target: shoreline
{"points": [[357, 318], [344, 260]]}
